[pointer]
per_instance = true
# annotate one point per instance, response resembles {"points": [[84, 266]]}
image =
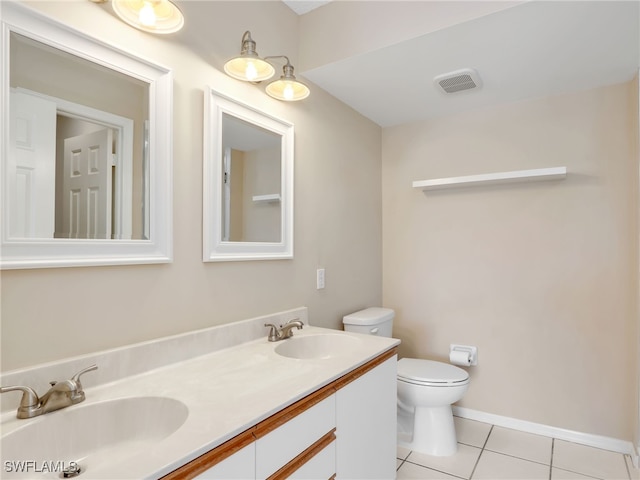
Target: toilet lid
{"points": [[416, 370]]}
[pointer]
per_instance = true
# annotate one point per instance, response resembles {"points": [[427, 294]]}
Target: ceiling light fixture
{"points": [[249, 67], [154, 16]]}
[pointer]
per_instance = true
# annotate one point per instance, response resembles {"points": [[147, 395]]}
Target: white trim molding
{"points": [[589, 439], [215, 247], [636, 456]]}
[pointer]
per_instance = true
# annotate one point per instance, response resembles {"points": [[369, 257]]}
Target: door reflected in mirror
{"points": [[251, 210], [77, 164], [86, 148]]}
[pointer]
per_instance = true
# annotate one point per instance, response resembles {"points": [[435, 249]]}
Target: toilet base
{"points": [[433, 432]]}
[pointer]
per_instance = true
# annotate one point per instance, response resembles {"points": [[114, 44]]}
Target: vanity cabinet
{"points": [[237, 466], [297, 442], [366, 424], [346, 429]]}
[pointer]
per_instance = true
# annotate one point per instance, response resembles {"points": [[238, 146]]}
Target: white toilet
{"points": [[426, 390]]}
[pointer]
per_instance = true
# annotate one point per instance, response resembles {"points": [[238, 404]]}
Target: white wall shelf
{"points": [[539, 174], [271, 198]]}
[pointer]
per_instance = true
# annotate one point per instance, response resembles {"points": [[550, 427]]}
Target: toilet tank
{"points": [[371, 321]]}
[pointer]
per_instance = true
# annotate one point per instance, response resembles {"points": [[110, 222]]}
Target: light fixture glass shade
{"points": [[154, 16], [248, 66], [249, 69], [288, 88]]}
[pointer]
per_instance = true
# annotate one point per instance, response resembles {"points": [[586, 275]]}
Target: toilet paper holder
{"points": [[469, 352]]}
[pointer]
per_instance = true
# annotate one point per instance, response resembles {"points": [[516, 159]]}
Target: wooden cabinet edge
{"points": [[283, 416], [211, 458], [295, 409], [204, 462], [360, 371], [304, 457]]}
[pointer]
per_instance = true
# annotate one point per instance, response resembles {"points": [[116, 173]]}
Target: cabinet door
{"points": [[366, 423], [239, 466], [282, 445], [321, 467]]}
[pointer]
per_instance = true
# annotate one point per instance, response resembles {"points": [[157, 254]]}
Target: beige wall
{"points": [[49, 314], [542, 277]]}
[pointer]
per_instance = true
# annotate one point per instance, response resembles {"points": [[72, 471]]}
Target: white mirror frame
{"points": [[214, 248], [39, 253]]}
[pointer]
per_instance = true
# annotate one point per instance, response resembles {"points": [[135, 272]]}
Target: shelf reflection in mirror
{"points": [[248, 182], [251, 172]]}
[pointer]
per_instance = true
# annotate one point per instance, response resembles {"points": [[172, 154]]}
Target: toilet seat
{"points": [[430, 373]]}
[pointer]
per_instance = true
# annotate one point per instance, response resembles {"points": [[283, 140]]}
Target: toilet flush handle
{"points": [[374, 331]]}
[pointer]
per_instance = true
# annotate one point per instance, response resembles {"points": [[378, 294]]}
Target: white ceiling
{"points": [[534, 49], [304, 6]]}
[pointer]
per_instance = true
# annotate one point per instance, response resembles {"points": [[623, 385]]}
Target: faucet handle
{"points": [[28, 402], [298, 321], [79, 393], [76, 377], [274, 333]]}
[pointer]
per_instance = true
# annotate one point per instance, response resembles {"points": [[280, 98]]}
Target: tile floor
{"points": [[491, 452]]}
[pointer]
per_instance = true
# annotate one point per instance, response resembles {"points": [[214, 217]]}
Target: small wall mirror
{"points": [[248, 182], [86, 149]]}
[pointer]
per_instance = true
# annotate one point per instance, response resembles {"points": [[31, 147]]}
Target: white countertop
{"points": [[226, 392]]}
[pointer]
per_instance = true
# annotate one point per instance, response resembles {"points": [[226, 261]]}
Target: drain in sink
{"points": [[72, 471]]}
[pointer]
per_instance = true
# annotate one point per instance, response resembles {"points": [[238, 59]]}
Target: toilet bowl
{"points": [[426, 390]]}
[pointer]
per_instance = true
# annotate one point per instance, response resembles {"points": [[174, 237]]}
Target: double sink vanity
{"points": [[223, 402]]}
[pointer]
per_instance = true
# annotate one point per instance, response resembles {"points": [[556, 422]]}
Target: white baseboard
{"points": [[598, 441]]}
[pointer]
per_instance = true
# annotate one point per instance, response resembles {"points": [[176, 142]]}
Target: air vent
{"points": [[457, 81]]}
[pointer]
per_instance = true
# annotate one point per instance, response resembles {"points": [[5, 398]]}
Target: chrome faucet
{"points": [[60, 395], [284, 331]]}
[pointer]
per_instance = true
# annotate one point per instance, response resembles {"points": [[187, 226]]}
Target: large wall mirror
{"points": [[248, 182], [86, 149]]}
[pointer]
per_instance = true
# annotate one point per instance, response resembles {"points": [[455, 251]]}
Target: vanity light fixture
{"points": [[287, 88], [249, 67], [153, 16]]}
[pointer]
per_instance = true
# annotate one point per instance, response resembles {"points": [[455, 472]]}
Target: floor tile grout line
{"points": [[486, 440], [405, 457], [626, 464], [469, 444], [578, 473], [404, 460], [517, 457], [587, 474], [553, 444], [434, 470]]}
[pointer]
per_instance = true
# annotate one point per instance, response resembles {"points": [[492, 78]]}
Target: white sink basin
{"points": [[92, 435], [317, 346]]}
